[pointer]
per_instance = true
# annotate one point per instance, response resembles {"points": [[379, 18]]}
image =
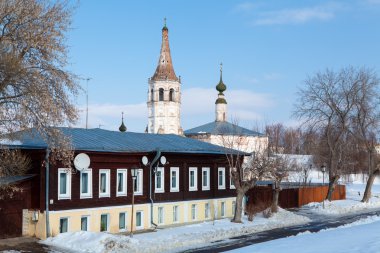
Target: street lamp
{"points": [[134, 177], [323, 169]]}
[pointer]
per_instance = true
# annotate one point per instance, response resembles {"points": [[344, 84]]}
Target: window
{"points": [[86, 184], [64, 184], [232, 185], [175, 213], [84, 222], [63, 225], [104, 183], [205, 179], [171, 95], [160, 180], [139, 220], [104, 222], [233, 207], [223, 209], [174, 179], [122, 221], [121, 182], [160, 215], [193, 179], [139, 182], [207, 211], [193, 211], [221, 178], [151, 95], [161, 94]]}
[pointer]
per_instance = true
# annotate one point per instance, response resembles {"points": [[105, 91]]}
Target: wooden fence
{"points": [[292, 197]]}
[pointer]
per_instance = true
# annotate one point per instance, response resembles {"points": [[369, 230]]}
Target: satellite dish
{"points": [[144, 160], [82, 161], [163, 160]]}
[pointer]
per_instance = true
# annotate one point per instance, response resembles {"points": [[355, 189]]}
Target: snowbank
{"points": [[360, 236], [171, 239], [353, 204]]}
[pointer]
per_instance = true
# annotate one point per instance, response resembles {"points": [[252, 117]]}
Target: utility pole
{"points": [[87, 79]]}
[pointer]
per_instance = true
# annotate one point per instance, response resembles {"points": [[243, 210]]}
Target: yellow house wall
{"points": [[74, 216]]}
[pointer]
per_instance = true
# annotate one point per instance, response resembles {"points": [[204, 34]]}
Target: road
{"points": [[318, 223]]}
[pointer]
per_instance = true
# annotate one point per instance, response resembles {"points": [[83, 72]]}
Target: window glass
{"points": [[122, 224], [175, 214], [207, 210], [103, 184], [63, 225], [104, 222], [63, 183], [138, 219], [84, 223]]}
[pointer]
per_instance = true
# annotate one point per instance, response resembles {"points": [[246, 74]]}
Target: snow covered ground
{"points": [[198, 235], [171, 239], [360, 236]]}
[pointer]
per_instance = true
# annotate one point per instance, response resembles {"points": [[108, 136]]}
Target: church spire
{"points": [[221, 103], [165, 70]]}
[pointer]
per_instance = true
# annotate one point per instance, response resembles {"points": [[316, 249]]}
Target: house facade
{"points": [[192, 186]]}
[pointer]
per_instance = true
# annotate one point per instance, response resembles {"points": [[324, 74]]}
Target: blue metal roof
{"points": [[111, 141], [219, 128]]}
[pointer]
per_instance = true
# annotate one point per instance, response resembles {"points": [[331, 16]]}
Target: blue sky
{"points": [[267, 48]]}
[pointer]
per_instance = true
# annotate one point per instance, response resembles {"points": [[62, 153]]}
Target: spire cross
{"points": [[122, 115], [221, 67], [165, 22]]}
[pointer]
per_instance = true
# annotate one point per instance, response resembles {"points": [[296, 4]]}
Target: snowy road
{"points": [[319, 223]]}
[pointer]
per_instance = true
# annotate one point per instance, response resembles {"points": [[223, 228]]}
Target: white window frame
{"points": [[176, 170], [223, 185], [175, 214], [232, 185], [207, 210], [89, 193], [142, 220], [207, 170], [195, 187], [88, 222], [160, 215], [125, 222], [124, 178], [67, 195], [162, 188], [108, 222], [68, 224], [222, 209], [107, 193], [193, 212], [139, 182]]}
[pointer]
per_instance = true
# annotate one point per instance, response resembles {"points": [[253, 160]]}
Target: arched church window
{"points": [[161, 94], [171, 95], [151, 95]]}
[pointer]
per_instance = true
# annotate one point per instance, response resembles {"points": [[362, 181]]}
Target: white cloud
{"points": [[198, 107], [245, 7], [373, 1], [295, 16]]}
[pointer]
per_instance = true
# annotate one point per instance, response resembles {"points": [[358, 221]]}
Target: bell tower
{"points": [[164, 94]]}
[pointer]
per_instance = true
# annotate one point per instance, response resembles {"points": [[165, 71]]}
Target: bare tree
{"points": [[245, 170], [325, 102], [36, 90], [365, 121], [280, 168]]}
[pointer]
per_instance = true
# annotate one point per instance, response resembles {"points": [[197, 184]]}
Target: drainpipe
{"points": [[47, 192], [158, 154]]}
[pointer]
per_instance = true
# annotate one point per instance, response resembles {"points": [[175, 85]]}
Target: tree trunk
{"points": [[368, 187], [276, 194], [332, 184], [238, 206]]}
